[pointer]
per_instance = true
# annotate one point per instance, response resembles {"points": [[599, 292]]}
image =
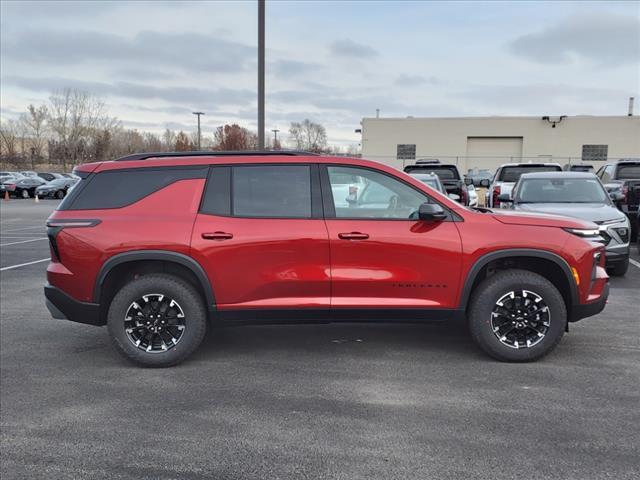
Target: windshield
{"points": [[57, 181], [512, 174], [561, 190], [629, 172]]}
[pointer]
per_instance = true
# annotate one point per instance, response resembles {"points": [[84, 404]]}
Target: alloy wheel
{"points": [[520, 319], [154, 323]]}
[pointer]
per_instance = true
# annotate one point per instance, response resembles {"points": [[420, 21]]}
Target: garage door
{"points": [[491, 152]]}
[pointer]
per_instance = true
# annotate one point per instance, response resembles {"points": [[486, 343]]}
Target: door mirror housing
{"points": [[468, 181], [505, 197], [431, 212], [616, 196], [484, 183]]}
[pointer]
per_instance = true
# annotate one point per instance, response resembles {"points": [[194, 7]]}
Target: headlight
{"points": [[583, 232]]}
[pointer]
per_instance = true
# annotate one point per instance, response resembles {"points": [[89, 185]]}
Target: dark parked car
{"points": [[158, 247], [448, 174], [623, 178], [477, 177], [47, 176], [56, 188], [22, 187], [580, 195]]}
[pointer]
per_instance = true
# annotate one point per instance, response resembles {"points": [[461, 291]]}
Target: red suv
{"points": [[159, 246]]}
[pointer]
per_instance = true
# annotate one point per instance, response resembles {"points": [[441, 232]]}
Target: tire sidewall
{"points": [[491, 290], [181, 292]]}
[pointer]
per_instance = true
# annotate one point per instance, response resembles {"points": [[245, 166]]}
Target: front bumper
{"points": [[585, 310], [615, 257], [65, 307]]}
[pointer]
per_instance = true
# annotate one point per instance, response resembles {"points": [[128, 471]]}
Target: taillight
{"points": [[54, 226], [464, 200], [10, 186], [495, 195]]}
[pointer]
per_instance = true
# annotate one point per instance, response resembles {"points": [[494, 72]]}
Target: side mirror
{"points": [[505, 197], [468, 181], [484, 183], [616, 196], [431, 212]]}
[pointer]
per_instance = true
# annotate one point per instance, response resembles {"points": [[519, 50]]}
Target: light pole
{"points": [[198, 114], [261, 74], [275, 137]]}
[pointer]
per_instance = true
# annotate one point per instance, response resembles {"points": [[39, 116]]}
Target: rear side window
{"points": [[119, 188], [282, 191]]}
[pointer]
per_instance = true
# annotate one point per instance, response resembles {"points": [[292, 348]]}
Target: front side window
{"points": [[372, 195], [277, 191]]}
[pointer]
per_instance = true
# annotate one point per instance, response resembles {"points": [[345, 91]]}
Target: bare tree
{"points": [[36, 130], [235, 137], [9, 140], [308, 135], [183, 144], [169, 140]]}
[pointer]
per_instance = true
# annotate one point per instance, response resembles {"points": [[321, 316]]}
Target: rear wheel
{"points": [[157, 320], [60, 194], [24, 193], [517, 316]]}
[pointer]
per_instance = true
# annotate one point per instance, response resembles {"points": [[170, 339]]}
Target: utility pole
{"points": [[198, 114], [261, 74], [275, 135]]}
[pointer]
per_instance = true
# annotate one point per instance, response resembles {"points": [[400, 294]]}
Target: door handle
{"points": [[353, 236], [217, 236]]}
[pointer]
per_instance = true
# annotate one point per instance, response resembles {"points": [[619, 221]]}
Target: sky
{"points": [[154, 63]]}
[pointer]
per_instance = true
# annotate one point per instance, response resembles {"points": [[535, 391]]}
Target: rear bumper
{"points": [[585, 310], [64, 307]]}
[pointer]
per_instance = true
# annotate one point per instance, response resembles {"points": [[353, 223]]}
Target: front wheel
{"points": [[620, 269], [24, 193], [60, 194], [517, 316], [157, 320]]}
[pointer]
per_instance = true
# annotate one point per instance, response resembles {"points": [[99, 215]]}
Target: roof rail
{"points": [[233, 153]]}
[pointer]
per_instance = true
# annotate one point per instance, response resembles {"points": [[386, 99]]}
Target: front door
{"points": [[382, 256], [261, 238]]}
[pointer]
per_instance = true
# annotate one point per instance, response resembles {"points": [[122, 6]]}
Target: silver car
{"points": [[581, 195]]}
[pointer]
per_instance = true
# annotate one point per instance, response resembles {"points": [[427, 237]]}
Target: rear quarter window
{"points": [[119, 188], [629, 172]]}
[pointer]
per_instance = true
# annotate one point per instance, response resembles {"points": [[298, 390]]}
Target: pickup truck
{"points": [[622, 181], [506, 177], [449, 176]]}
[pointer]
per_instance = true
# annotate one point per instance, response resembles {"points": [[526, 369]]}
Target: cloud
{"points": [[191, 52], [349, 48], [405, 80], [289, 68], [606, 39], [189, 96]]}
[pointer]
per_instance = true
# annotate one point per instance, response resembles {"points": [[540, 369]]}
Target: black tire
{"points": [[620, 269], [60, 194], [190, 301], [24, 193], [484, 301]]}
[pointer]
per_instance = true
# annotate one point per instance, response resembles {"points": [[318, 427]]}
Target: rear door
{"points": [[382, 256], [261, 237]]}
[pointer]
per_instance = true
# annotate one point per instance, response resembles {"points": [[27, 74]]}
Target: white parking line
{"points": [[25, 228], [11, 267], [633, 262], [10, 220], [22, 241]]}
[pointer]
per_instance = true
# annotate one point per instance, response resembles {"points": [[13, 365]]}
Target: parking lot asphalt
{"points": [[348, 401]]}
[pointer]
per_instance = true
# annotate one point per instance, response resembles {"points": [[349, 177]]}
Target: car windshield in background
{"points": [[629, 172], [57, 181], [512, 174], [562, 190], [445, 173]]}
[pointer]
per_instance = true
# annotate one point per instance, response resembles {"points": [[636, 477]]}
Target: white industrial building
{"points": [[486, 142]]}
